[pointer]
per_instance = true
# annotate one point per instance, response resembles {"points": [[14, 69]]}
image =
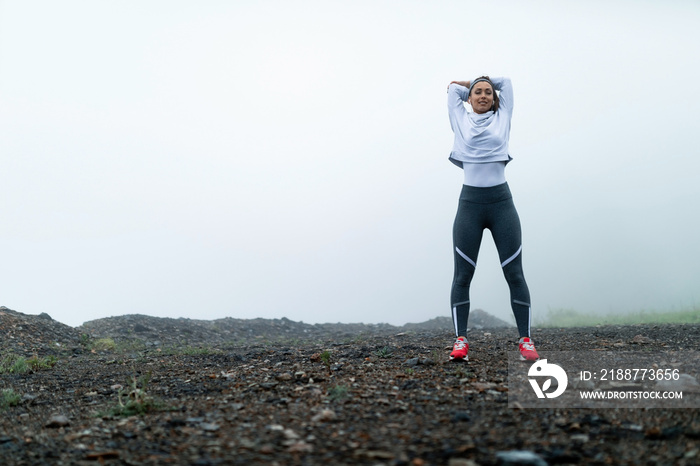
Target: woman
{"points": [[481, 149]]}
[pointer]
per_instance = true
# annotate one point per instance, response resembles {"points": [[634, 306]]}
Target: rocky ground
{"points": [[142, 390]]}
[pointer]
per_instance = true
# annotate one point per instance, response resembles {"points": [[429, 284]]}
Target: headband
{"points": [[478, 81]]}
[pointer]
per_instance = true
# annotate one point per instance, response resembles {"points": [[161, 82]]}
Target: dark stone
{"points": [[460, 416]]}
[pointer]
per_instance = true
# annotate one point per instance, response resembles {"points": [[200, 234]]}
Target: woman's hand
{"points": [[462, 83]]}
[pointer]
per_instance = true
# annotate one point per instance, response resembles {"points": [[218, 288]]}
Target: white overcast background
{"points": [[272, 159]]}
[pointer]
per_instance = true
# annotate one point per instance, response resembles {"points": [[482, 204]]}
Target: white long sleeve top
{"points": [[480, 138]]}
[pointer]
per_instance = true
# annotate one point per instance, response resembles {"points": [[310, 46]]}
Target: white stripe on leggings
{"points": [[454, 319], [511, 258], [465, 257]]}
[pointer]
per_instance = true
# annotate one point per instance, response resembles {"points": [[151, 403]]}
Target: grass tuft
{"points": [[338, 393], [134, 400], [384, 352], [11, 363], [9, 398]]}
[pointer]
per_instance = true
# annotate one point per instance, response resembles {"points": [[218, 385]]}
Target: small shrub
{"points": [[12, 363], [36, 363], [9, 398], [384, 352], [135, 400], [84, 340], [437, 356], [338, 393], [103, 344]]}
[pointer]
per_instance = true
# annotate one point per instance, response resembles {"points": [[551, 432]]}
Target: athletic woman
{"points": [[481, 150]]}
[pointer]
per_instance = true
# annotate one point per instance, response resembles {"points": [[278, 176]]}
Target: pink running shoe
{"points": [[459, 352], [527, 350]]}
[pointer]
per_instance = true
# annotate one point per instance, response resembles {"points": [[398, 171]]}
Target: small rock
{"points": [[579, 438], [461, 462], [641, 340], [289, 434], [267, 449], [412, 362], [209, 426], [483, 386], [460, 416], [520, 458], [58, 420], [325, 415], [379, 455], [300, 447], [284, 377]]}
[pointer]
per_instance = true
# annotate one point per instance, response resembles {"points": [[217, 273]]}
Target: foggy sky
{"points": [[289, 159]]}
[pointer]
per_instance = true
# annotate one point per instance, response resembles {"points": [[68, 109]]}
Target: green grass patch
{"points": [[104, 344], [9, 398], [109, 345], [385, 352], [134, 400], [573, 318], [338, 393], [11, 363]]}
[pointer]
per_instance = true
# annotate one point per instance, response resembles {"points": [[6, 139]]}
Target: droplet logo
{"points": [[552, 371]]}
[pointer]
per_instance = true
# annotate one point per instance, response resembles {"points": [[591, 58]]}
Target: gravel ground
{"points": [[281, 392]]}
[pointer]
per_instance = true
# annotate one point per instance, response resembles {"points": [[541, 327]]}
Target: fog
{"points": [[289, 159]]}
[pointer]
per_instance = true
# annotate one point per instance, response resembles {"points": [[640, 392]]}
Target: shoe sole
{"points": [[465, 358], [523, 358]]}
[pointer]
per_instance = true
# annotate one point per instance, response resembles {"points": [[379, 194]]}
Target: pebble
{"points": [[300, 447], [520, 458], [209, 426], [325, 415], [461, 462], [58, 420]]}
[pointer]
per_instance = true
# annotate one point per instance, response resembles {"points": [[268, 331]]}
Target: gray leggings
{"points": [[491, 208]]}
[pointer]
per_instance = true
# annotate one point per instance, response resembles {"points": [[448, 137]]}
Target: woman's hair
{"points": [[496, 100]]}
